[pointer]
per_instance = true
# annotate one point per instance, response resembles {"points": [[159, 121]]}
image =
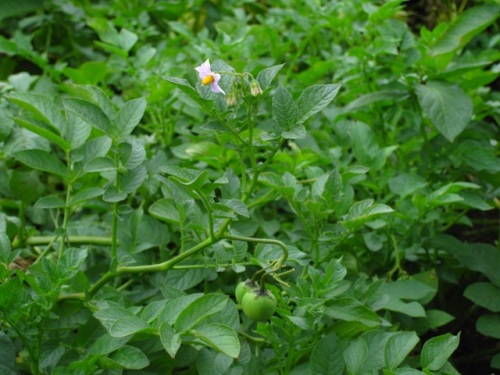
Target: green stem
{"points": [[67, 206], [114, 233], [209, 214], [47, 240], [151, 267], [280, 261]]}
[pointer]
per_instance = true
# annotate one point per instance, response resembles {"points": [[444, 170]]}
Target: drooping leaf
{"points": [[447, 106], [470, 23]]}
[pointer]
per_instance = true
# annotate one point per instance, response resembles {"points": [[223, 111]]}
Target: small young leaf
{"points": [[266, 76], [284, 109]]}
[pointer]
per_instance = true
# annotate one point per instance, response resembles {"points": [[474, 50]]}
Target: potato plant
{"points": [[288, 187]]}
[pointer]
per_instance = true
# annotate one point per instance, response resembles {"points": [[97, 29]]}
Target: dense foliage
{"points": [[347, 162]]}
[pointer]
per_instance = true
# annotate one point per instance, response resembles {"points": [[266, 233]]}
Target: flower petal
{"points": [[204, 69], [214, 86]]}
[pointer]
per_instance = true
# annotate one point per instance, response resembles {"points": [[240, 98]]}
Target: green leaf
{"points": [[355, 356], [174, 307], [219, 337], [7, 256], [409, 289], [164, 209], [113, 195], [479, 156], [265, 77], [43, 161], [314, 99], [363, 211], [434, 319], [85, 195], [100, 164], [413, 309], [10, 8], [170, 339], [43, 132], [199, 310], [352, 310], [447, 106], [132, 180], [210, 362], [127, 325], [130, 115], [78, 130], [375, 97], [495, 361], [326, 357], [186, 177], [236, 205], [297, 131], [284, 109], [91, 114], [130, 357], [489, 325], [50, 202], [470, 23], [483, 258], [7, 355], [126, 39], [398, 347], [437, 350], [406, 184], [43, 108], [95, 95], [71, 261], [485, 295], [107, 344]]}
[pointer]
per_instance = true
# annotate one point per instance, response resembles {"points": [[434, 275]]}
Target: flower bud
{"points": [[255, 89], [232, 98]]}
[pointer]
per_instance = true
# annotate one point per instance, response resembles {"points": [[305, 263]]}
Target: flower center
{"points": [[208, 79]]}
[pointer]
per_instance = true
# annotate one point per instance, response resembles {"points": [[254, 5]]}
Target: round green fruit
{"points": [[242, 289], [259, 304]]}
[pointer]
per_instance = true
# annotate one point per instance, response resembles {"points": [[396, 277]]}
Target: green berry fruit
{"points": [[242, 289], [259, 304]]}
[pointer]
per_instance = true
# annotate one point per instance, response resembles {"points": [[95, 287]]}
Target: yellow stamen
{"points": [[208, 79]]}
